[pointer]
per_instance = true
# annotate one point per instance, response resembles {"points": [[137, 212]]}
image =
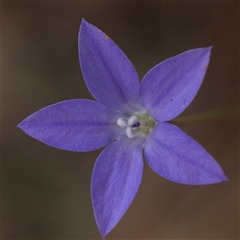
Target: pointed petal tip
{"points": [[21, 125], [203, 50], [225, 179], [215, 180], [84, 24], [103, 234], [220, 179], [103, 231], [208, 49], [83, 21]]}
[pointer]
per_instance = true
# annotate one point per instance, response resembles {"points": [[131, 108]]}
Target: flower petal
{"points": [[108, 73], [169, 87], [116, 178], [174, 155], [74, 125]]}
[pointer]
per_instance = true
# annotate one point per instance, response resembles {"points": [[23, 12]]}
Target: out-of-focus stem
{"points": [[217, 114]]}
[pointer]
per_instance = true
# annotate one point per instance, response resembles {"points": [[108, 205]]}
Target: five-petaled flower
{"points": [[130, 117]]}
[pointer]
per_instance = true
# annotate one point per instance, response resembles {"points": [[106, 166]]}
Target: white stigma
{"points": [[128, 125], [121, 122], [130, 133], [138, 125], [132, 120]]}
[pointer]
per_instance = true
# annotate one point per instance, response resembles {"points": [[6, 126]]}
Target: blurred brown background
{"points": [[46, 191]]}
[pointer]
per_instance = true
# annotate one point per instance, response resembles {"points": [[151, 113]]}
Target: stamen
{"points": [[121, 122], [130, 133]]}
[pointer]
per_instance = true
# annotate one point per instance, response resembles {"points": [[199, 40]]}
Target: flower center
{"points": [[138, 125]]}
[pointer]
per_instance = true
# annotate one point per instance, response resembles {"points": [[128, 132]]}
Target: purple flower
{"points": [[128, 117]]}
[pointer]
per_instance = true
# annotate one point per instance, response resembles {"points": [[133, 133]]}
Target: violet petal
{"points": [[115, 181], [174, 155], [74, 125], [169, 87], [108, 73]]}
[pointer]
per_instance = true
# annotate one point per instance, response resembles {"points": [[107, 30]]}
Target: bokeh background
{"points": [[46, 191]]}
